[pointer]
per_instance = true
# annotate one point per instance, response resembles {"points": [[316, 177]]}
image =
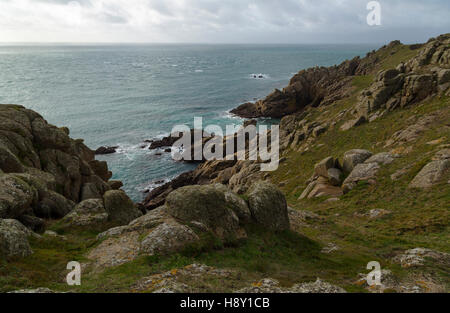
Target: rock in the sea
{"points": [[14, 239], [115, 184], [106, 150], [268, 206], [383, 158], [119, 207], [205, 205], [353, 158]]}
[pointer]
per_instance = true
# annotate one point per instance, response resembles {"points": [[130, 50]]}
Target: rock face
{"points": [[45, 174], [14, 239], [434, 172], [268, 206], [411, 82]]}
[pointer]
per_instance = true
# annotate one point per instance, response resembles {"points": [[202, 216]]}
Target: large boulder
{"points": [[168, 237], [353, 158], [87, 213], [268, 206], [119, 207], [236, 203], [205, 205], [14, 239]]}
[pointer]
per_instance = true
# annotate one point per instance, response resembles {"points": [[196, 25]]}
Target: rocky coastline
{"points": [[53, 190]]}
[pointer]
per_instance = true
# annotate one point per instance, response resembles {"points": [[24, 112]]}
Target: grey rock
{"points": [[207, 205], [14, 239], [268, 206], [119, 207], [353, 158]]}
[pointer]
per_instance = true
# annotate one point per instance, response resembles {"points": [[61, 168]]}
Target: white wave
{"points": [[155, 184], [259, 76], [199, 71]]}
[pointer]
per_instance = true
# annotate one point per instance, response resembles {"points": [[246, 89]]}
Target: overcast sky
{"points": [[220, 21]]}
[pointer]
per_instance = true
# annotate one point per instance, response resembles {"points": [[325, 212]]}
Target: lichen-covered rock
{"points": [[431, 174], [205, 205], [383, 158], [87, 213], [14, 239], [353, 158], [16, 196], [166, 238], [119, 207], [236, 203], [362, 172], [268, 206]]}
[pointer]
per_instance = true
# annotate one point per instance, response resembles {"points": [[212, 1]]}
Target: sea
{"points": [[123, 95]]}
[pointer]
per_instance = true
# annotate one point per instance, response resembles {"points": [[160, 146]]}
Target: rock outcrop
{"points": [[189, 213], [45, 172]]}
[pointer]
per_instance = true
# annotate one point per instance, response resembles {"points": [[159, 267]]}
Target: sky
{"points": [[220, 21]]}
